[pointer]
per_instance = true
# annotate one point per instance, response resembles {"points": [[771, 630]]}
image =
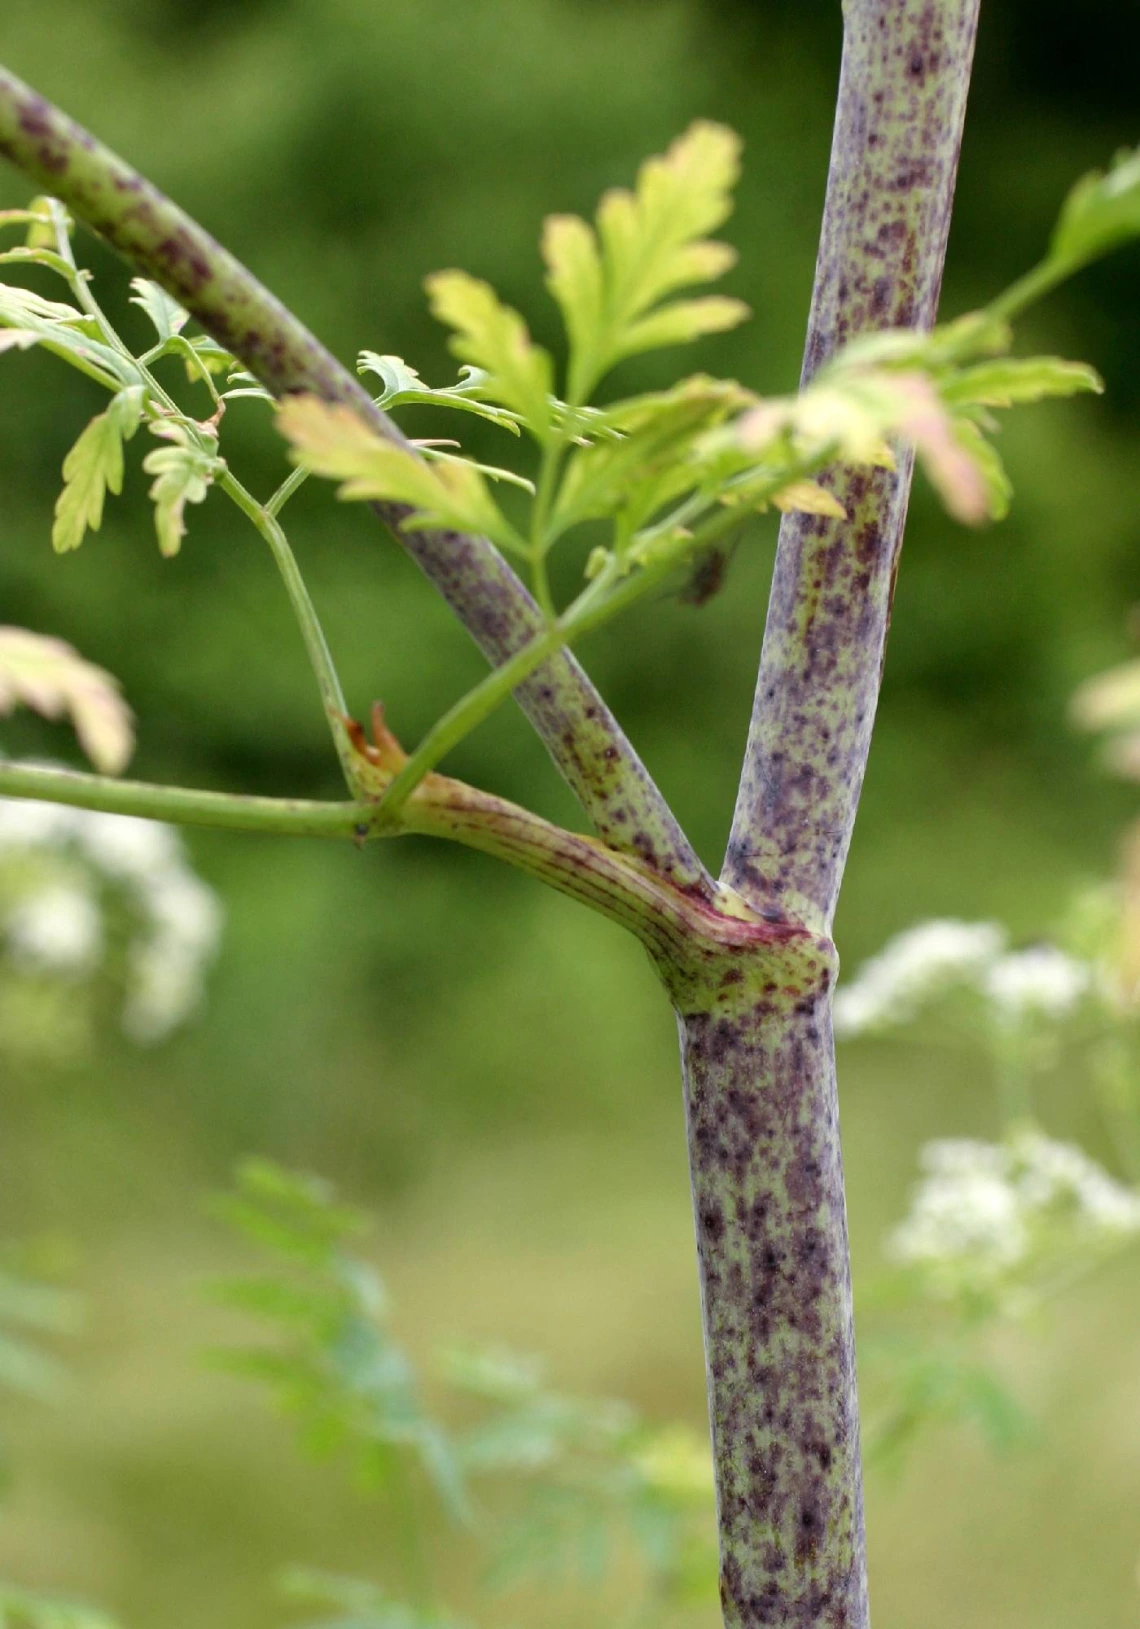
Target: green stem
{"points": [[277, 501], [320, 658], [469, 712], [676, 926], [586, 613], [186, 806], [1038, 282], [80, 283]]}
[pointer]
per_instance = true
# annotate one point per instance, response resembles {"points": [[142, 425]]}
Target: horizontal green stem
{"points": [[676, 926], [186, 806]]}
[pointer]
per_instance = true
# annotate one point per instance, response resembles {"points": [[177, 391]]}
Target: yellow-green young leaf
{"points": [[331, 440], [808, 498], [648, 235], [184, 473], [166, 314], [848, 413], [93, 467], [66, 328], [1003, 382], [988, 463], [574, 275], [203, 355], [654, 459], [848, 416], [647, 244], [493, 337], [50, 677], [680, 322], [1101, 213]]}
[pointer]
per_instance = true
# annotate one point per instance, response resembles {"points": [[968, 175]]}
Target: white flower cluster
{"points": [[1040, 980], [912, 969], [60, 927], [984, 1210], [927, 961]]}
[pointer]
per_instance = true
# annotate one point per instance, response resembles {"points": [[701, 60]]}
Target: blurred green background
{"points": [[489, 1067]]}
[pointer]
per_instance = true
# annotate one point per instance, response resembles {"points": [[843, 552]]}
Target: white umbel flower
{"points": [[983, 1211], [1040, 981], [127, 848], [185, 924], [912, 969], [964, 1209], [58, 929], [176, 919]]}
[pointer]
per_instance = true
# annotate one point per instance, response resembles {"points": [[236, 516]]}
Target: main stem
{"points": [[756, 1039]]}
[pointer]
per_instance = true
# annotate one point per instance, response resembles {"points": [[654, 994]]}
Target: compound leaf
{"points": [[1101, 213], [64, 328], [50, 677], [93, 467], [987, 461], [404, 387], [680, 322], [167, 316], [574, 275], [331, 440], [647, 243], [493, 337], [1010, 380], [184, 473]]}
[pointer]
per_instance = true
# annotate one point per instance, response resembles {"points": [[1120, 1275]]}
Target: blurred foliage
{"points": [[492, 1067], [583, 1473]]}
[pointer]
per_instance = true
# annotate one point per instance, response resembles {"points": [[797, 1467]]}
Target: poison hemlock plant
{"points": [[652, 486]]}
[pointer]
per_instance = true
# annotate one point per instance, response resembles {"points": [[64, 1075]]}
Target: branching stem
{"points": [[163, 243]]}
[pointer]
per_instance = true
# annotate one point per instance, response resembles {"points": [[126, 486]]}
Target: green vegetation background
{"points": [[486, 1065]]}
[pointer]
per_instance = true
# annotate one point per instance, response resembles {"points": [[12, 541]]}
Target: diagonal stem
{"points": [[162, 242]]}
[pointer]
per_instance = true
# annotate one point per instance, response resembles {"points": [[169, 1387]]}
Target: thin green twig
{"points": [[320, 657], [188, 806]]}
